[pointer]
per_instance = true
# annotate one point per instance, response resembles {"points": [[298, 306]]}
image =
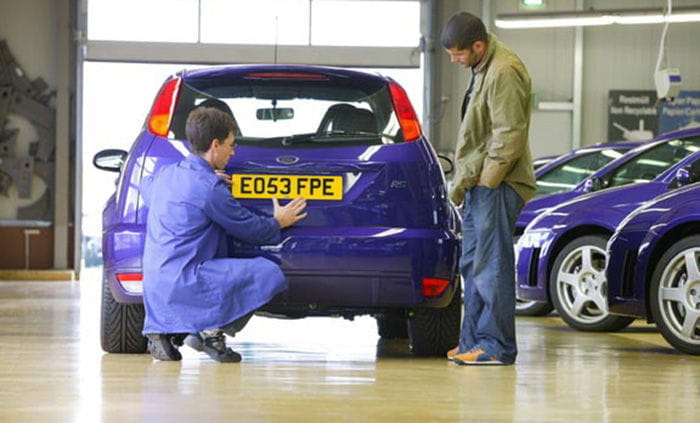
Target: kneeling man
{"points": [[190, 284]]}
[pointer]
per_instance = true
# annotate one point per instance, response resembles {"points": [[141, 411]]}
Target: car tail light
{"points": [[132, 282], [434, 287], [286, 75], [404, 110], [162, 110]]}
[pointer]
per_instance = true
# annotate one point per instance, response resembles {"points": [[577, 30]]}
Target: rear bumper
{"points": [[345, 269], [364, 267]]}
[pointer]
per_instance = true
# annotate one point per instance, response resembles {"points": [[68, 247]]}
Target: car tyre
{"points": [[578, 287], [532, 308], [674, 295], [392, 325], [121, 325], [434, 331]]}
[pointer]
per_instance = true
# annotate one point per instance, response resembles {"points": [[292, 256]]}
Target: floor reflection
{"points": [[322, 369]]}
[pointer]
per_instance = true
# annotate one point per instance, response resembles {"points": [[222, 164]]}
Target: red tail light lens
{"points": [[130, 277], [404, 110], [131, 282], [433, 287], [162, 110]]}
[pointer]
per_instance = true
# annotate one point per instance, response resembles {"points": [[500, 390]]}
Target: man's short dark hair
{"points": [[204, 124], [462, 30]]}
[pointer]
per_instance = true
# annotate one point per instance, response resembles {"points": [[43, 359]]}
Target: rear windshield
{"points": [[296, 113]]}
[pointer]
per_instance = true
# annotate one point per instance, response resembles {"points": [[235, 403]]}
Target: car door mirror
{"points": [[110, 160], [683, 176], [446, 164], [592, 184]]}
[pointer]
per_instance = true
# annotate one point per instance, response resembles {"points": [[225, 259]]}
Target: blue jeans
{"points": [[488, 269]]}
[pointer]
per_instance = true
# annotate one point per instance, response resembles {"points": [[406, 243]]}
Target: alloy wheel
{"points": [[678, 296], [581, 285]]}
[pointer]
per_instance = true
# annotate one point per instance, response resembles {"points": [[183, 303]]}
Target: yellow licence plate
{"points": [[287, 186]]}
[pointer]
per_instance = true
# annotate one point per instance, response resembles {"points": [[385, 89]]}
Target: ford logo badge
{"points": [[287, 159]]}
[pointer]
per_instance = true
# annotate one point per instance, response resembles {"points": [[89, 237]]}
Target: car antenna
{"points": [[276, 27]]}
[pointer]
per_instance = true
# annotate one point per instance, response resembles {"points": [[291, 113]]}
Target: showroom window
{"points": [[285, 22]]}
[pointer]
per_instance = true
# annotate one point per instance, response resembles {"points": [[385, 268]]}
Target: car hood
{"points": [[604, 208]]}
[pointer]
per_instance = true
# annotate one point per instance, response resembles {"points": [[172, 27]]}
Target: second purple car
{"points": [[561, 255]]}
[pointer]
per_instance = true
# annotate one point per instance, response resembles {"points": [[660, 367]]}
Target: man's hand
{"points": [[224, 176], [291, 213]]}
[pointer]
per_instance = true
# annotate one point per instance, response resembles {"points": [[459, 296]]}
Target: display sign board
{"points": [[632, 115], [683, 112]]}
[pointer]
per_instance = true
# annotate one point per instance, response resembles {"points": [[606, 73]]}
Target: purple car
{"points": [[566, 177], [541, 161], [653, 270], [561, 256], [556, 182], [381, 236]]}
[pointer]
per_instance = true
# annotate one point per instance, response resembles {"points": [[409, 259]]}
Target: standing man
{"points": [[493, 180], [190, 285]]}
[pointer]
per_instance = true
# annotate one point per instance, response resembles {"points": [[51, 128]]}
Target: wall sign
{"points": [[632, 115]]}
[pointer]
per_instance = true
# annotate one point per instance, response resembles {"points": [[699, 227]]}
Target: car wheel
{"points": [[392, 325], [121, 326], [532, 308], [675, 295], [434, 331], [578, 287]]}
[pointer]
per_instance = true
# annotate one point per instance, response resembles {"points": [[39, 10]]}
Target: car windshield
{"points": [[568, 174], [651, 163], [296, 113]]}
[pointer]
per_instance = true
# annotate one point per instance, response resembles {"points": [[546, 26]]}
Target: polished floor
{"points": [[52, 370]]}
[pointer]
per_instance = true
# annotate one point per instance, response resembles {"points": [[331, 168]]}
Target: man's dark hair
{"points": [[204, 124], [462, 30]]}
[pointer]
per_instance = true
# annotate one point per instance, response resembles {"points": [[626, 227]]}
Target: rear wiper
{"points": [[347, 133], [326, 136], [342, 136], [298, 138]]}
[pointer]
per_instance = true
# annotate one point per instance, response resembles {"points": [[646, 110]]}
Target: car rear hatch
{"points": [[347, 141]]}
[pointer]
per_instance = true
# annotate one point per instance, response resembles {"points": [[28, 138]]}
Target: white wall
{"points": [[624, 57], [614, 57], [31, 30]]}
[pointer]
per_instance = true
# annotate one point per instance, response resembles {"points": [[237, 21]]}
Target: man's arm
{"points": [[237, 220], [509, 100]]}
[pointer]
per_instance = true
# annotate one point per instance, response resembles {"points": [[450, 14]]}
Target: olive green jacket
{"points": [[493, 146]]}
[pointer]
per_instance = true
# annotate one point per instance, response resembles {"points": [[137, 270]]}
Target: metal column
{"points": [[62, 181], [576, 123]]}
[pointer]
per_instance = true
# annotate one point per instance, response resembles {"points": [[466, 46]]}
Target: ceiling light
{"points": [[597, 17]]}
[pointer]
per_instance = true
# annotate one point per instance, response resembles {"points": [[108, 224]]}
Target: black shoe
{"points": [[163, 346], [195, 341], [214, 346]]}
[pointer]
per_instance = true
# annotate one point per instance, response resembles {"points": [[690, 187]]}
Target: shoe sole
{"points": [[476, 363], [222, 358], [197, 344]]}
